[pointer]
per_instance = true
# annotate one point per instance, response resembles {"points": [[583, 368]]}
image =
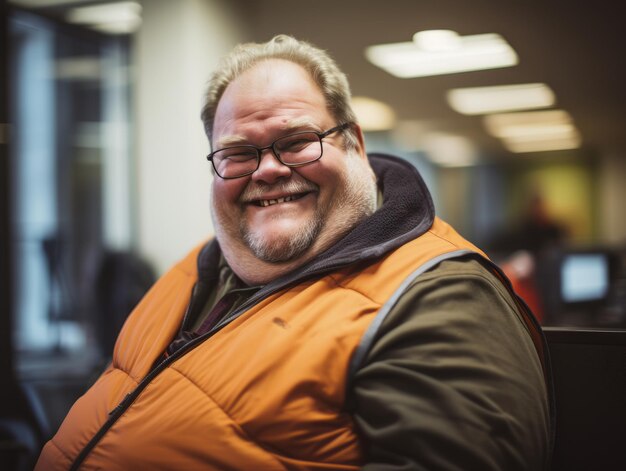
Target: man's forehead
{"points": [[271, 76], [275, 96]]}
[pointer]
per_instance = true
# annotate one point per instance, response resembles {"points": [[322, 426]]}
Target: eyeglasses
{"points": [[293, 150]]}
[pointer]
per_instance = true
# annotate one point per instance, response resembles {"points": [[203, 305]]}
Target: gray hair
{"points": [[322, 68]]}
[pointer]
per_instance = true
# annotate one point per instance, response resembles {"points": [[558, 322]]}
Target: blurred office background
{"points": [[104, 184]]}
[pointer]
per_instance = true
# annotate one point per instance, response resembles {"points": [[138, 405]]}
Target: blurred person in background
{"points": [[537, 230], [529, 248], [334, 322]]}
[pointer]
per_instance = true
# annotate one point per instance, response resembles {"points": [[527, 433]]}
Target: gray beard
{"points": [[285, 249]]}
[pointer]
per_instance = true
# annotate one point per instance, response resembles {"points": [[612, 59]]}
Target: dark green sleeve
{"points": [[453, 381]]}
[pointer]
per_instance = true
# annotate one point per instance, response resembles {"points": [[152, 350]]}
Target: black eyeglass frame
{"points": [[259, 150]]}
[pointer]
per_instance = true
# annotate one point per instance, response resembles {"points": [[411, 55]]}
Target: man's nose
{"points": [[270, 168]]}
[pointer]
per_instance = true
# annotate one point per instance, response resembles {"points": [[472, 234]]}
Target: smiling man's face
{"points": [[280, 217]]}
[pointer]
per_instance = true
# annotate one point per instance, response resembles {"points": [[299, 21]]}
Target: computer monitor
{"points": [[578, 286], [584, 277]]}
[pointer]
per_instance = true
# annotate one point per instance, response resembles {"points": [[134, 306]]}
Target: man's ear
{"points": [[360, 141]]}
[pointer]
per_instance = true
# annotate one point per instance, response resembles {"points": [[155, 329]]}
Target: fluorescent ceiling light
{"points": [[534, 131], [542, 146], [441, 148], [409, 134], [115, 18], [483, 100], [373, 115], [439, 52], [448, 150], [531, 132], [437, 40], [498, 125]]}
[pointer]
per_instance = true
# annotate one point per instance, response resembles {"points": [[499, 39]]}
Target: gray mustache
{"points": [[255, 191]]}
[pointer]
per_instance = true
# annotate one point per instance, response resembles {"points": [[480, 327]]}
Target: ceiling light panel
{"points": [[437, 40], [499, 125], [449, 150], [542, 145], [373, 115], [528, 132], [534, 131], [115, 18], [483, 100], [420, 59]]}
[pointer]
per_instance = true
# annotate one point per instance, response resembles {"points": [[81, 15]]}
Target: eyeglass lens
{"points": [[295, 149]]}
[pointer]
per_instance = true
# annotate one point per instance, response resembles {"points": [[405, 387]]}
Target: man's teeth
{"points": [[286, 199]]}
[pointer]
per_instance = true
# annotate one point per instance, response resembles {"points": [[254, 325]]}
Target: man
{"points": [[333, 323]]}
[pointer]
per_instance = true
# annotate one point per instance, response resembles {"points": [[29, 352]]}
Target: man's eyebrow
{"points": [[301, 124], [229, 141], [294, 125]]}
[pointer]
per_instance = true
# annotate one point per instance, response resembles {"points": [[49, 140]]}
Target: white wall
{"points": [[178, 46]]}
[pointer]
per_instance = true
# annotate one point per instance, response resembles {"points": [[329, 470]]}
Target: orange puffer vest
{"points": [[265, 392]]}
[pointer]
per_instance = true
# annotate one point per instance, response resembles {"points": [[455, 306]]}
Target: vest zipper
{"points": [[125, 403], [117, 412]]}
